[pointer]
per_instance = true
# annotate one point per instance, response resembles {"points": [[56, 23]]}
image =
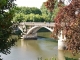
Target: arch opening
{"points": [[36, 28]]}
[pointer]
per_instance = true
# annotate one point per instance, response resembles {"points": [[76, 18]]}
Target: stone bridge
{"points": [[29, 29]]}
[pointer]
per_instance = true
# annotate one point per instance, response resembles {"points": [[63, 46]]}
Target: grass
{"points": [[70, 58]]}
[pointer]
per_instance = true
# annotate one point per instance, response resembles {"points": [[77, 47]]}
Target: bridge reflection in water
{"points": [[32, 49]]}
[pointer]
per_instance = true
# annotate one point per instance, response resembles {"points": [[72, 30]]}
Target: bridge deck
{"points": [[37, 23]]}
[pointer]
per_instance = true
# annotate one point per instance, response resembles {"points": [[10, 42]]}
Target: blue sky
{"points": [[30, 3]]}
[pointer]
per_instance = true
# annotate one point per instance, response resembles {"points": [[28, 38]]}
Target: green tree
{"points": [[46, 18], [35, 10], [26, 14], [19, 17], [34, 18], [6, 15], [28, 10], [45, 11]]}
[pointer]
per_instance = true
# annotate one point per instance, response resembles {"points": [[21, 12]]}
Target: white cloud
{"points": [[30, 3]]}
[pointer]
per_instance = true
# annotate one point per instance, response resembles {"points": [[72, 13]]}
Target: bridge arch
{"points": [[36, 28]]}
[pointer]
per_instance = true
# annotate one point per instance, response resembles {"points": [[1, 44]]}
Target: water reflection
{"points": [[61, 55], [32, 50]]}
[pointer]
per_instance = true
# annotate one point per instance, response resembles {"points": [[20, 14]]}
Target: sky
{"points": [[30, 3]]}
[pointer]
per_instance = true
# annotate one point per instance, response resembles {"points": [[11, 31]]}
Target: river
{"points": [[42, 48]]}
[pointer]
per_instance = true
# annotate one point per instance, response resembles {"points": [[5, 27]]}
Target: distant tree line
{"points": [[32, 14]]}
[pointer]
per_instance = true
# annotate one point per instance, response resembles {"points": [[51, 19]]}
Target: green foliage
{"points": [[27, 10], [56, 10], [35, 10], [46, 18], [33, 14], [51, 15], [30, 14], [53, 58], [6, 15], [19, 17], [33, 18], [44, 9], [70, 58], [46, 13]]}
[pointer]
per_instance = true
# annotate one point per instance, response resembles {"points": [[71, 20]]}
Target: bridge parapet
{"points": [[37, 24]]}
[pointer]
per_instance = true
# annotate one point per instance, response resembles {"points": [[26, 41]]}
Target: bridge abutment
{"points": [[30, 36]]}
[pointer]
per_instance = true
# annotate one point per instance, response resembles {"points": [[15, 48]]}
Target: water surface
{"points": [[33, 49]]}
